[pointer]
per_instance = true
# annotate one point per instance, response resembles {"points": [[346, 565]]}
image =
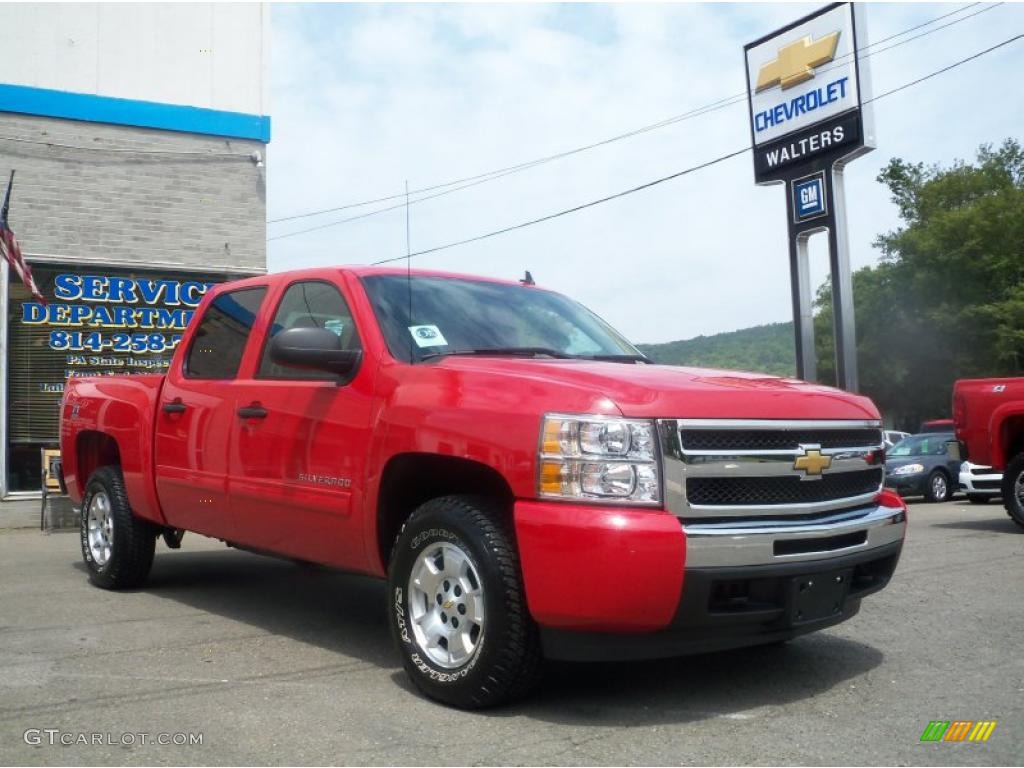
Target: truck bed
{"points": [[984, 410], [110, 420]]}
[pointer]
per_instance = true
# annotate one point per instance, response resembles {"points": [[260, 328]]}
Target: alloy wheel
{"points": [[100, 528], [446, 605]]}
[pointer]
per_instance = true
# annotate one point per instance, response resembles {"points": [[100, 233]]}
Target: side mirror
{"points": [[315, 349]]}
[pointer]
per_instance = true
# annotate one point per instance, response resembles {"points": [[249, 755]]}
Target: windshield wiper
{"points": [[617, 358], [502, 352]]}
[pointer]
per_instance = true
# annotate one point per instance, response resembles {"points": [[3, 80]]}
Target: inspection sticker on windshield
{"points": [[427, 336]]}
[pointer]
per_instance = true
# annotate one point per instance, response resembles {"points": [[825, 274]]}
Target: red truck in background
{"points": [[527, 482], [989, 419]]}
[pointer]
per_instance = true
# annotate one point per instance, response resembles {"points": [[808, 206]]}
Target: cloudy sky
{"points": [[365, 97]]}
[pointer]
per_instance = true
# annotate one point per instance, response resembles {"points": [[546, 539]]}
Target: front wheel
{"points": [[117, 546], [1013, 489], [457, 607], [937, 488]]}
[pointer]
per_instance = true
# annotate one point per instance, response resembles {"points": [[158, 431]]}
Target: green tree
{"points": [[946, 300], [763, 348]]}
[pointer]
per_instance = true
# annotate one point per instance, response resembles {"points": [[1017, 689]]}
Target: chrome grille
{"points": [[748, 491], [776, 439], [757, 468]]}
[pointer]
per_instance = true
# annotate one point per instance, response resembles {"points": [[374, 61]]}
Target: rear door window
{"points": [[219, 343]]}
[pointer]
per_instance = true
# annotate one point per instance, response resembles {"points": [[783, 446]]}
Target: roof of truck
{"points": [[366, 271], [360, 270]]}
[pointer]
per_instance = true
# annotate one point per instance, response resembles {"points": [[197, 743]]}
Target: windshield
{"points": [[453, 315], [921, 445]]}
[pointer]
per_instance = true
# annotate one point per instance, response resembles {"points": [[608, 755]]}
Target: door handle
{"points": [[176, 407], [253, 411]]}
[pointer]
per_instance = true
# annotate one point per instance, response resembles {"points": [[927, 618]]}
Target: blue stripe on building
{"points": [[143, 114]]}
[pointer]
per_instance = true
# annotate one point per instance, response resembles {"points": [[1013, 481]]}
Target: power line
{"points": [[685, 171], [954, 65], [471, 181], [499, 172], [697, 112], [567, 211]]}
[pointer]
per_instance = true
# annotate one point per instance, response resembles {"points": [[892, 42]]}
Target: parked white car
{"points": [[979, 482], [890, 437]]}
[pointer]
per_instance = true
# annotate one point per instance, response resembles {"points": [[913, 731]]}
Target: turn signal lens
{"points": [[551, 478]]}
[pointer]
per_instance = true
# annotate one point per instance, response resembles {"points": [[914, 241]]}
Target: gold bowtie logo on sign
{"points": [[813, 463], [796, 62]]}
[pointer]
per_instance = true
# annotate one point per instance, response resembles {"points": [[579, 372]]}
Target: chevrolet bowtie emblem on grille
{"points": [[812, 462], [796, 62]]}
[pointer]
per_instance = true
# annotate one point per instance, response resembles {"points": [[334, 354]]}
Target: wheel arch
{"points": [[1011, 437], [410, 479], [94, 449]]}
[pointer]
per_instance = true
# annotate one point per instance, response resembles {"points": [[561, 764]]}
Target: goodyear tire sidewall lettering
{"points": [[401, 611]]}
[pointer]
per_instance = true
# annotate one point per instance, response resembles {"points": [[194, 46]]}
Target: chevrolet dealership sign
{"points": [[805, 90], [810, 114]]}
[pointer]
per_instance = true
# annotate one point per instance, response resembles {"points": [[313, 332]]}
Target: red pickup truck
{"points": [[989, 419], [527, 482]]}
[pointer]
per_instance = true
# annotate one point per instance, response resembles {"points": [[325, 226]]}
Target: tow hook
{"points": [[173, 537]]}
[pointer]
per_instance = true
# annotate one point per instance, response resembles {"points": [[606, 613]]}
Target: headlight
{"points": [[908, 469], [603, 458]]}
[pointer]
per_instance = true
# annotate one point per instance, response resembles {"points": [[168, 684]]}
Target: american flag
{"points": [[11, 252]]}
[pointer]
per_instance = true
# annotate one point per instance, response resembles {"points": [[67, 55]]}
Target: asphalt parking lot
{"points": [[276, 663]]}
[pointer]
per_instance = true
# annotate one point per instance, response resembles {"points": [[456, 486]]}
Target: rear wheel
{"points": [[937, 487], [457, 608], [1013, 489], [117, 546]]}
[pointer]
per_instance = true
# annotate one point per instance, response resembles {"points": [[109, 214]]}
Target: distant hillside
{"points": [[764, 348]]}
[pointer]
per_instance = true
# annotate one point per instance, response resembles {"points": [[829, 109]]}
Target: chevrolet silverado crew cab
{"points": [[989, 419], [527, 482]]}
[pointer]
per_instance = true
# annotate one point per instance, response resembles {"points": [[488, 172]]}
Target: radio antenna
{"points": [[408, 263]]}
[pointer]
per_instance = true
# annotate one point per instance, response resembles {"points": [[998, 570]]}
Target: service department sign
{"points": [[805, 92]]}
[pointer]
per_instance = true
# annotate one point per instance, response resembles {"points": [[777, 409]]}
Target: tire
{"points": [[1013, 489], [494, 658], [937, 487], [117, 546], [977, 498]]}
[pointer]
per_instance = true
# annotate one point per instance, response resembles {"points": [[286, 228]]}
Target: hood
{"points": [[664, 391]]}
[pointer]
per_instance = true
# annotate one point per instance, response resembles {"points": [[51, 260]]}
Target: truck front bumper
{"points": [[611, 583], [982, 485]]}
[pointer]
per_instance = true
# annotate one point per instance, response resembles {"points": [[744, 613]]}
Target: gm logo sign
{"points": [[809, 197]]}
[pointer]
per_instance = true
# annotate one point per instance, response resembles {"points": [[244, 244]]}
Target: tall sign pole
{"points": [[808, 94]]}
